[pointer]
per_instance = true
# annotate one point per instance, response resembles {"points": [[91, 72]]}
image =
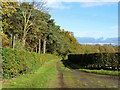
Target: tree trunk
{"points": [[23, 42], [44, 46], [13, 41], [31, 50], [39, 46], [36, 49], [1, 39]]}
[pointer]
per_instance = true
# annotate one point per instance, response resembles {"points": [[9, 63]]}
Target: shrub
{"points": [[16, 62], [96, 60]]}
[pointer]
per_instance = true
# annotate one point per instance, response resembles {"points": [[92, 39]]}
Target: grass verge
{"points": [[42, 78], [107, 72], [64, 68]]}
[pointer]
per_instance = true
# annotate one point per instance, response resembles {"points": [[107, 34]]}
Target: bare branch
{"points": [[42, 6], [29, 17], [24, 15], [27, 28]]}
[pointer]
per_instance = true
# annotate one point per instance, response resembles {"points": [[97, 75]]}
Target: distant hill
{"points": [[90, 40]]}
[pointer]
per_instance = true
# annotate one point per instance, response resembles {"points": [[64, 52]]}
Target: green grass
{"points": [[64, 68], [107, 72], [42, 78]]}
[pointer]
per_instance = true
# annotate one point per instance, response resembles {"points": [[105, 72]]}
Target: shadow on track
{"points": [[70, 65]]}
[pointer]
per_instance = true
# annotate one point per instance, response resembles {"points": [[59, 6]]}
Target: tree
{"points": [[28, 19], [7, 10], [39, 30]]}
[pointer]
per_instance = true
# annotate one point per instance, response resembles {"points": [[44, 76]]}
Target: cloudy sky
{"points": [[86, 18]]}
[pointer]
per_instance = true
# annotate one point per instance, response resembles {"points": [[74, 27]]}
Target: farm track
{"points": [[80, 79], [60, 77]]}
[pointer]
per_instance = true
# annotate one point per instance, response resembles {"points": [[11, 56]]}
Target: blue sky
{"points": [[87, 19]]}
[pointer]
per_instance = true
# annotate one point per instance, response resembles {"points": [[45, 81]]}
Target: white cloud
{"points": [[85, 3], [70, 0], [114, 27], [57, 5], [65, 0], [110, 0], [92, 4], [82, 0]]}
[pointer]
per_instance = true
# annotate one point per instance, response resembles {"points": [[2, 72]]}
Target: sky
{"points": [[86, 19]]}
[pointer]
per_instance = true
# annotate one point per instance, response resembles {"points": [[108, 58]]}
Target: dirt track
{"points": [[80, 79]]}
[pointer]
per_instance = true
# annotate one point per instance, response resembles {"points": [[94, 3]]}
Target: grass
{"points": [[64, 68], [42, 78], [107, 72], [70, 80]]}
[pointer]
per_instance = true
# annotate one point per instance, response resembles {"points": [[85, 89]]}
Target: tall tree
{"points": [[7, 10], [29, 17]]}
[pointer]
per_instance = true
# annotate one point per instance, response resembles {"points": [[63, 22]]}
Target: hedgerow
{"points": [[16, 62], [96, 60]]}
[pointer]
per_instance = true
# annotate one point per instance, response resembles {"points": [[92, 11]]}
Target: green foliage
{"points": [[39, 26], [83, 49], [16, 62], [96, 60], [8, 7], [61, 43]]}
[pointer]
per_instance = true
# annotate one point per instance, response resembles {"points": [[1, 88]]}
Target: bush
{"points": [[96, 60], [16, 62]]}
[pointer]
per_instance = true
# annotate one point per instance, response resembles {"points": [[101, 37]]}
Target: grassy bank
{"points": [[106, 72], [44, 77]]}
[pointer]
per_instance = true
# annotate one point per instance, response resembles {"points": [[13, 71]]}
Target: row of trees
{"points": [[29, 26], [97, 48]]}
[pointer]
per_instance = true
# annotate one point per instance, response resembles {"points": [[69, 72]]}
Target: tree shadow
{"points": [[70, 65]]}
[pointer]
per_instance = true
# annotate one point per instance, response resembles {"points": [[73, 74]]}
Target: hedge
{"points": [[16, 62], [96, 60]]}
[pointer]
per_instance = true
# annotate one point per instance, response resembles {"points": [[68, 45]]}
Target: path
{"points": [[80, 79]]}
